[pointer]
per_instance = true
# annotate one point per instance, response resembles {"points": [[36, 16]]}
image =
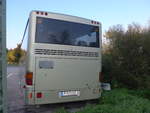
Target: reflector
{"points": [[39, 95], [30, 95]]}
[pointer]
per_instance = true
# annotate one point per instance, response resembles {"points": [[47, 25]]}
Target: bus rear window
{"points": [[52, 31]]}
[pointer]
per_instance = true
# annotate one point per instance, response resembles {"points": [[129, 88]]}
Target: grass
{"points": [[119, 101]]}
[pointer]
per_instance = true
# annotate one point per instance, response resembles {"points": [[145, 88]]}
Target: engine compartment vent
{"points": [[65, 53]]}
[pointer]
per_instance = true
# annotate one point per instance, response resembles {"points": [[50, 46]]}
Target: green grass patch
{"points": [[141, 93], [118, 101], [61, 110]]}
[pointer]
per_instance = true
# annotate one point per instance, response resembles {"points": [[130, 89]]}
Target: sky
{"points": [[108, 12]]}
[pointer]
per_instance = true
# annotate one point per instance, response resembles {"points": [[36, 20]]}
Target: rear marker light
{"points": [[39, 95], [46, 14], [41, 13], [94, 22], [37, 12]]}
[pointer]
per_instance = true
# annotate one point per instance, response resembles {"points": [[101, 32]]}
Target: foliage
{"points": [[127, 60], [14, 56]]}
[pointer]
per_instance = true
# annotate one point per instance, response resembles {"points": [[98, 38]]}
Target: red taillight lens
{"points": [[28, 82], [39, 95], [100, 77], [29, 78]]}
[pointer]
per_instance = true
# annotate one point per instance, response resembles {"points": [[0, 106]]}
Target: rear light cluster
{"points": [[41, 13], [38, 95], [100, 77], [29, 78], [94, 22]]}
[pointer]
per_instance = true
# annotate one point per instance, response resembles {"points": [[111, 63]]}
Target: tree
{"points": [[129, 54], [14, 55]]}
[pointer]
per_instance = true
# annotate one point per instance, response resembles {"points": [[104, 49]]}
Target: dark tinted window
{"points": [[53, 31]]}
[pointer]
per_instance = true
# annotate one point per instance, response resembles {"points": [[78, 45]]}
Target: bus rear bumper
{"points": [[53, 96], [29, 96]]}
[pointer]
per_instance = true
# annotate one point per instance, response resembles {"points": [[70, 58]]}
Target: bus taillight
{"points": [[100, 77], [29, 78]]}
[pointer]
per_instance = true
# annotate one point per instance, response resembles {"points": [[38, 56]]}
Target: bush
{"points": [[127, 60]]}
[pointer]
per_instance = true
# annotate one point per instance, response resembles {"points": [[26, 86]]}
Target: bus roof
{"points": [[64, 17]]}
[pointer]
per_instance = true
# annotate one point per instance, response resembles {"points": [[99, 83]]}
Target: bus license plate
{"points": [[69, 93]]}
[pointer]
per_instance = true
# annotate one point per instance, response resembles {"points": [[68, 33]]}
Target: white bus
{"points": [[63, 59]]}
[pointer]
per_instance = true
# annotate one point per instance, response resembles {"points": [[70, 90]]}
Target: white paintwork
{"points": [[83, 74]]}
